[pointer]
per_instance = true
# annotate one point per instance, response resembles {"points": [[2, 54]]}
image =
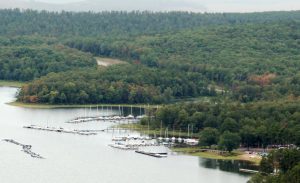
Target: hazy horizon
{"points": [[155, 5]]}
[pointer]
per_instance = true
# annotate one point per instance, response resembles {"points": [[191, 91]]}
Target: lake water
{"points": [[88, 159]]}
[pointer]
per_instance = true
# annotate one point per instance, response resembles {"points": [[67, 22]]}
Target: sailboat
{"points": [[179, 140]]}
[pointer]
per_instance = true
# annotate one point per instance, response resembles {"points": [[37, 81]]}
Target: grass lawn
{"points": [[235, 155]]}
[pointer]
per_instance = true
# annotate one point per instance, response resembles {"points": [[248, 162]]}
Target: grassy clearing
{"points": [[51, 106], [108, 61], [235, 155], [12, 83], [194, 99]]}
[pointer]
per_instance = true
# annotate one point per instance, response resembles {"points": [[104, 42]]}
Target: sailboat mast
{"points": [[140, 110], [188, 131], [90, 112], [160, 128]]}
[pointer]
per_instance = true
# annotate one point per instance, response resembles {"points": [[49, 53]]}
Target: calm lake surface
{"points": [[88, 159]]}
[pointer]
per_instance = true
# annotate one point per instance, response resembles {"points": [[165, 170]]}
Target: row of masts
{"points": [[108, 115], [109, 110], [163, 139]]}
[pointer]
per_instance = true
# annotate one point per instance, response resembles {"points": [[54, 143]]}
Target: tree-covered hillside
{"points": [[117, 84], [175, 55], [242, 49], [25, 59], [248, 62]]}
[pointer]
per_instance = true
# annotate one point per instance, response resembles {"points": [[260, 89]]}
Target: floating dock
{"points": [[60, 130], [155, 151], [157, 155], [248, 171], [25, 148]]}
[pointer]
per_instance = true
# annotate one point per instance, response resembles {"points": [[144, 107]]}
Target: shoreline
{"points": [[57, 106], [15, 84]]}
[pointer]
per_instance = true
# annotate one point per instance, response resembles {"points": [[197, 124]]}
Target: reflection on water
{"points": [[227, 165]]}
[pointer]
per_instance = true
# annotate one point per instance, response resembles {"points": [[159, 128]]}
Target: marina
{"points": [[141, 145]]}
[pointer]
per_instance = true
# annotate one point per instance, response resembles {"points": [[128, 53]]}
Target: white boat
{"points": [[141, 117], [179, 140], [120, 146], [118, 138], [130, 116], [191, 142]]}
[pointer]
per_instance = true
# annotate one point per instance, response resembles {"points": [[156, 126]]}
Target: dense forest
{"points": [[117, 84], [249, 62], [28, 58]]}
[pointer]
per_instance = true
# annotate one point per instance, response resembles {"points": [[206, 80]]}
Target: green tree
{"points": [[266, 166], [229, 124], [229, 141], [292, 176], [208, 136]]}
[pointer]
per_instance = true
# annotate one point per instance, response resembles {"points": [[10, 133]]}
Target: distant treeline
{"points": [[69, 24]]}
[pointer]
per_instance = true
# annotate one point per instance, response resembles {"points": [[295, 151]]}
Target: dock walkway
{"points": [[60, 130], [25, 148]]}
